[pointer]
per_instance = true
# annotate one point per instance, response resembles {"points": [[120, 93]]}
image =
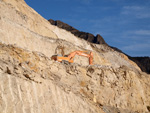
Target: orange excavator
{"points": [[69, 58]]}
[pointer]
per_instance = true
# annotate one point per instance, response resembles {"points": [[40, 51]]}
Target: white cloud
{"points": [[136, 11], [86, 1], [138, 32], [133, 7], [137, 47], [142, 32], [61, 0], [82, 1]]}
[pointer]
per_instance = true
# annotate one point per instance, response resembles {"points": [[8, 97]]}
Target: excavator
{"points": [[69, 58]]}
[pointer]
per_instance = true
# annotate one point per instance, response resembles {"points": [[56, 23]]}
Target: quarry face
{"points": [[31, 82]]}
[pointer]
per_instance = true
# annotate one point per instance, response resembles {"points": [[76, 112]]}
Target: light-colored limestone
{"points": [[30, 82], [68, 87], [25, 28]]}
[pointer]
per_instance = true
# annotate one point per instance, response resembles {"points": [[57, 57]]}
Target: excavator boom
{"points": [[81, 53]]}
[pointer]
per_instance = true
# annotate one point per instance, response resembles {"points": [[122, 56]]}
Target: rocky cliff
{"points": [[86, 36], [142, 62], [30, 82]]}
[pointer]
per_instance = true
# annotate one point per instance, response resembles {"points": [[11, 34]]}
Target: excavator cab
{"points": [[61, 58]]}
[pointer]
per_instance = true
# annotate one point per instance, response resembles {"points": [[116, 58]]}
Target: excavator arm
{"points": [[81, 53]]}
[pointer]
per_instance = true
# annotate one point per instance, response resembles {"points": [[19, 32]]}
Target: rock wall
{"points": [[27, 85], [25, 32], [31, 82], [143, 63], [23, 96]]}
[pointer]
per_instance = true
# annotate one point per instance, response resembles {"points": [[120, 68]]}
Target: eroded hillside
{"points": [[32, 82]]}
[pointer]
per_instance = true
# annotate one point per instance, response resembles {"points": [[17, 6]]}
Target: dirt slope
{"points": [[33, 83]]}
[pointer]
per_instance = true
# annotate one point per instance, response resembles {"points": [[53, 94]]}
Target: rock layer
{"points": [[30, 82]]}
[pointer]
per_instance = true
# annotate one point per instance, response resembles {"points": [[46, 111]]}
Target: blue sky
{"points": [[124, 24]]}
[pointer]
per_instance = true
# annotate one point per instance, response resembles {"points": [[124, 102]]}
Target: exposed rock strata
{"points": [[30, 82], [142, 62]]}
